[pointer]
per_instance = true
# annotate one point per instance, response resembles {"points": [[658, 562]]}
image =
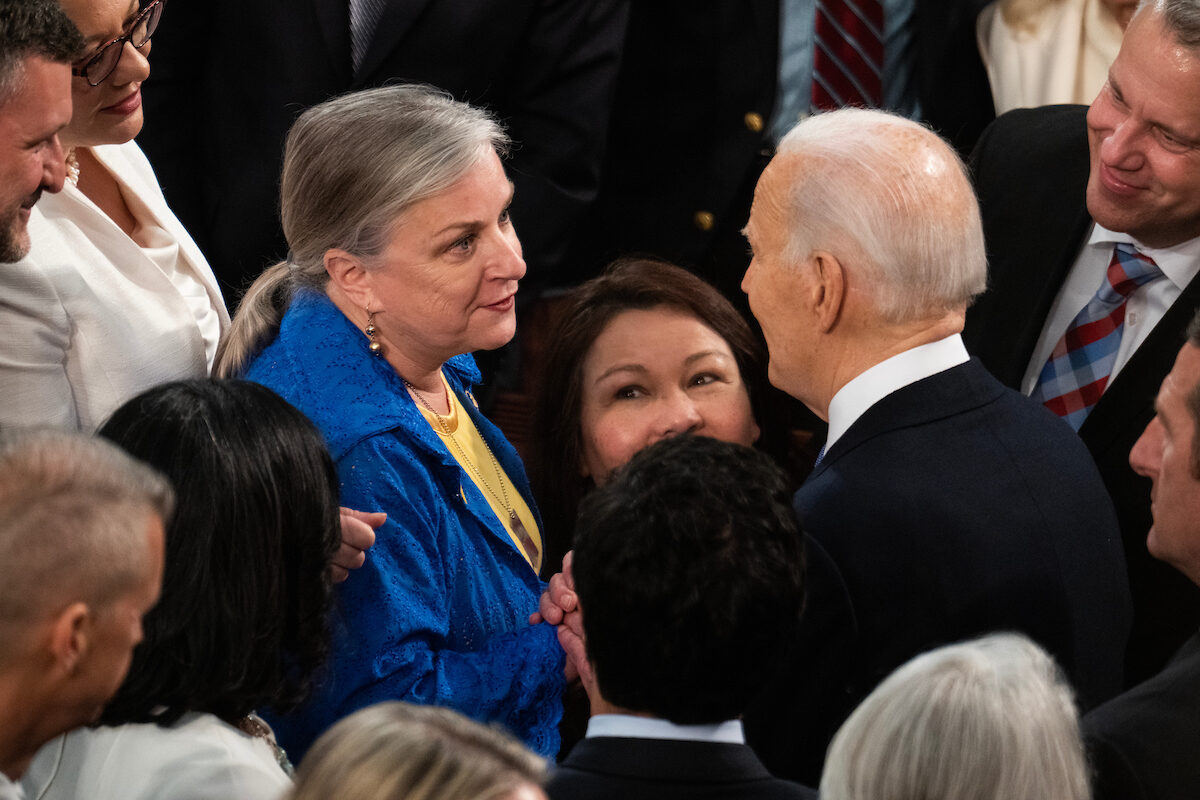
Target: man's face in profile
{"points": [[31, 159]]}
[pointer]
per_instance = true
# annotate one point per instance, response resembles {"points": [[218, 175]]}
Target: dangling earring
{"points": [[375, 347]]}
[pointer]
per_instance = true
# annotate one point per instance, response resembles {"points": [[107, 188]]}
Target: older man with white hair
{"points": [[81, 560], [944, 505]]}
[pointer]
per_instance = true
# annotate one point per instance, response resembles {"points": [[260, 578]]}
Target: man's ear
{"points": [[828, 289], [70, 637], [346, 271]]}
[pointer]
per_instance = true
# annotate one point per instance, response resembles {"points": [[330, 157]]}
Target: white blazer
{"points": [[87, 319], [198, 758]]}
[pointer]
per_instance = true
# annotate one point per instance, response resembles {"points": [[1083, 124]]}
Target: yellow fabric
{"points": [[463, 432]]}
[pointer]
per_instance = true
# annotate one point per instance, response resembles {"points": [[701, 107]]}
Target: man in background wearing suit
{"points": [[689, 575], [81, 560], [706, 90], [37, 45], [1143, 744], [230, 77], [1092, 222], [944, 506]]}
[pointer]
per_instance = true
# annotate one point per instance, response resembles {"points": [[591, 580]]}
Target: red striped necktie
{"points": [[848, 54]]}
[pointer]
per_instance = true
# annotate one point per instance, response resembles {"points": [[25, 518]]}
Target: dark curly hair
{"points": [[241, 623], [627, 284], [689, 566]]}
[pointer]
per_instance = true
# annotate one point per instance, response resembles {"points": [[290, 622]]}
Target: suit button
{"points": [[704, 220], [754, 122]]}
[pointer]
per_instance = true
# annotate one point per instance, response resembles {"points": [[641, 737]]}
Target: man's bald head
{"points": [[888, 197]]}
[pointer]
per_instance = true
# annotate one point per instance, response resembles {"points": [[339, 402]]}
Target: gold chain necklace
{"points": [[518, 528]]}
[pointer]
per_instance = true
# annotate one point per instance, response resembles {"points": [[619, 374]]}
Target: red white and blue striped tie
{"points": [[848, 54], [1079, 367]]}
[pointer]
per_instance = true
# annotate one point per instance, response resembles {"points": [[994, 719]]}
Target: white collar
{"points": [[876, 383], [1180, 263], [625, 725]]}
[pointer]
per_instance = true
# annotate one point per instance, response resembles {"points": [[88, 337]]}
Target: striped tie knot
{"points": [[1127, 270]]}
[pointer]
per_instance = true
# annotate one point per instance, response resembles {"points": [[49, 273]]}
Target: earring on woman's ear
{"points": [[375, 347]]}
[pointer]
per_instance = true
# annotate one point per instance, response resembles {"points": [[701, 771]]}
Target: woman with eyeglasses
{"points": [[114, 296]]}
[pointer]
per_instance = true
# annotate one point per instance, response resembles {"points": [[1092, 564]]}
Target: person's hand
{"points": [[570, 638], [358, 534], [559, 599]]}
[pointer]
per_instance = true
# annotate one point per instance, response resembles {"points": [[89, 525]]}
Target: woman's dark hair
{"points": [[241, 623], [627, 284]]}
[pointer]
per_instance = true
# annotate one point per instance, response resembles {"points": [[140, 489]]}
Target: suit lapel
{"points": [[1129, 400], [395, 23], [946, 394], [333, 19]]}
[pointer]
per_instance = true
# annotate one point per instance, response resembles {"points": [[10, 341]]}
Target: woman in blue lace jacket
{"points": [[403, 259]]}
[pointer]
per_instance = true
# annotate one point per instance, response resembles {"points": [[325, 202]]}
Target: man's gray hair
{"points": [[74, 512], [1180, 17], [33, 28], [987, 719], [887, 195]]}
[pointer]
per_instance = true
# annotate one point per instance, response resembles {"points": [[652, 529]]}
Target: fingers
{"points": [[562, 593], [358, 536]]}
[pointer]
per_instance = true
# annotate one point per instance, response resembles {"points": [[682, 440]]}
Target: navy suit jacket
{"points": [[230, 76], [606, 767], [1144, 744], [1031, 172], [951, 508]]}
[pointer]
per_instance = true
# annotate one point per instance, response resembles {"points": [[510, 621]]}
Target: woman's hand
{"points": [[358, 535], [559, 606], [559, 599]]}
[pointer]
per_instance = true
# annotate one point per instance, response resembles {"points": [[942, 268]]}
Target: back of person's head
{"points": [[990, 719], [626, 285], [689, 566], [241, 623], [33, 28], [352, 166], [890, 197], [74, 512], [397, 751]]}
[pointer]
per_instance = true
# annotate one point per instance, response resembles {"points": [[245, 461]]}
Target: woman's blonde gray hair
{"points": [[990, 719], [351, 167], [397, 751]]}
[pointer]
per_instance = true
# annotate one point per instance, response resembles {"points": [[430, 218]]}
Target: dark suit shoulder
{"points": [[1030, 170], [659, 769], [1143, 744]]}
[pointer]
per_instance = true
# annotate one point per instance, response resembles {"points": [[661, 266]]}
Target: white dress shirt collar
{"points": [[9, 789], [1179, 263], [625, 725], [876, 383]]}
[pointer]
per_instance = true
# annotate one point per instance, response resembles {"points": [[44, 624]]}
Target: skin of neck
{"points": [[860, 341], [601, 706], [31, 715], [421, 370]]}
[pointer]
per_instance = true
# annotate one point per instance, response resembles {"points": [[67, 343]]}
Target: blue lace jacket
{"points": [[439, 613]]}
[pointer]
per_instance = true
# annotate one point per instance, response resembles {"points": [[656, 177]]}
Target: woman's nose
{"points": [[678, 415]]}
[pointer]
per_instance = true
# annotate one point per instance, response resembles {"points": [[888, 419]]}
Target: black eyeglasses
{"points": [[102, 63]]}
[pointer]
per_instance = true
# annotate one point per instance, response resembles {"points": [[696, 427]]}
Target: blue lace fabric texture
{"points": [[439, 613]]}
